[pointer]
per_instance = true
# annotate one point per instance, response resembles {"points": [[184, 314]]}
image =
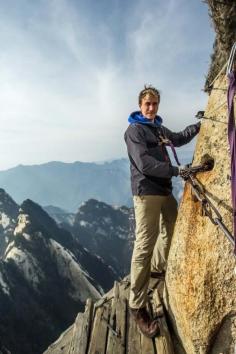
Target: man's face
{"points": [[149, 106]]}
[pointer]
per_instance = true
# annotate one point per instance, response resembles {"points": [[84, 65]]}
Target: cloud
{"points": [[71, 75]]}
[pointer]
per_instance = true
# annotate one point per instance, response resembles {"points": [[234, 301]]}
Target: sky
{"points": [[71, 71]]}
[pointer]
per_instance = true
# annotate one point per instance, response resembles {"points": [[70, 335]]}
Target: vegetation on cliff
{"points": [[223, 15]]}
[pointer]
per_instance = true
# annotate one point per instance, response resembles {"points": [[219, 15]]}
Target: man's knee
{"points": [[142, 254]]}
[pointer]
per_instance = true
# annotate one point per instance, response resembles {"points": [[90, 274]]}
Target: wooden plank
{"points": [[82, 328], [113, 335], [125, 287], [117, 323], [163, 342], [148, 345], [136, 342], [102, 301], [106, 297], [98, 338], [133, 340], [121, 310], [77, 332]]}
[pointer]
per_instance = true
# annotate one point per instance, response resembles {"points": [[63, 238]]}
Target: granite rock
{"points": [[200, 280]]}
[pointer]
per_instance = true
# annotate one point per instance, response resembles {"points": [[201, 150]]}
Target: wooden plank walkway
{"points": [[107, 327], [81, 331]]}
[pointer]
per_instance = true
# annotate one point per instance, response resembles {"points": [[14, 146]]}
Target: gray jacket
{"points": [[150, 165]]}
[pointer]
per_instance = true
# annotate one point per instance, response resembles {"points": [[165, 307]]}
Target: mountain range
{"points": [[46, 274], [62, 253], [68, 185]]}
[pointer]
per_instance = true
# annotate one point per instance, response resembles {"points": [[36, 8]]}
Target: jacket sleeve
{"points": [[143, 161], [184, 137]]}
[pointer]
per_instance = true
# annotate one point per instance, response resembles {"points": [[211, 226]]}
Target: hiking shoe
{"points": [[149, 327]]}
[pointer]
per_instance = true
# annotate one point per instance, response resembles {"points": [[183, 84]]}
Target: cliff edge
{"points": [[200, 280]]}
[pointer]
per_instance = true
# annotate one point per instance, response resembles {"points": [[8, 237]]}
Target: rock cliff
{"points": [[200, 281], [223, 15]]}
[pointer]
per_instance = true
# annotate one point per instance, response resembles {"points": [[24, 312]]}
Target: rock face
{"points": [[223, 14], [200, 281], [59, 215], [108, 232], [104, 230], [8, 219]]}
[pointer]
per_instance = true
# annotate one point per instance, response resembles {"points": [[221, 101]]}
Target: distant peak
{"points": [[7, 204], [37, 215], [94, 203]]}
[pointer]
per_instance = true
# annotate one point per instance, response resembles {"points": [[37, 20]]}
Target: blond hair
{"points": [[148, 90]]}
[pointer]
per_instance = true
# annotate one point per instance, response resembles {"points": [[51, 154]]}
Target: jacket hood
{"points": [[137, 117]]}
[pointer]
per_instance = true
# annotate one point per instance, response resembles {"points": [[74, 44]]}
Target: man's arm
{"points": [[183, 137], [140, 157]]}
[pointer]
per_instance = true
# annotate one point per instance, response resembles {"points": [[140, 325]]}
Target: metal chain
{"points": [[209, 208]]}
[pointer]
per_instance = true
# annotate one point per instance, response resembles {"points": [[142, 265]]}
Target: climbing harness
{"points": [[231, 73]]}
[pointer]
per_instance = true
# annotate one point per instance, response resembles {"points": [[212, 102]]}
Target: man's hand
{"points": [[185, 171]]}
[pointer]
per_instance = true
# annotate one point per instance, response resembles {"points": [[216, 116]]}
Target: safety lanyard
{"points": [[232, 143], [167, 142]]}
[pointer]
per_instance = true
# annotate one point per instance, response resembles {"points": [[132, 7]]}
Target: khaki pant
{"points": [[155, 217]]}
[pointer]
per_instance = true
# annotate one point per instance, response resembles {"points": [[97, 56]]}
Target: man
{"points": [[151, 173]]}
